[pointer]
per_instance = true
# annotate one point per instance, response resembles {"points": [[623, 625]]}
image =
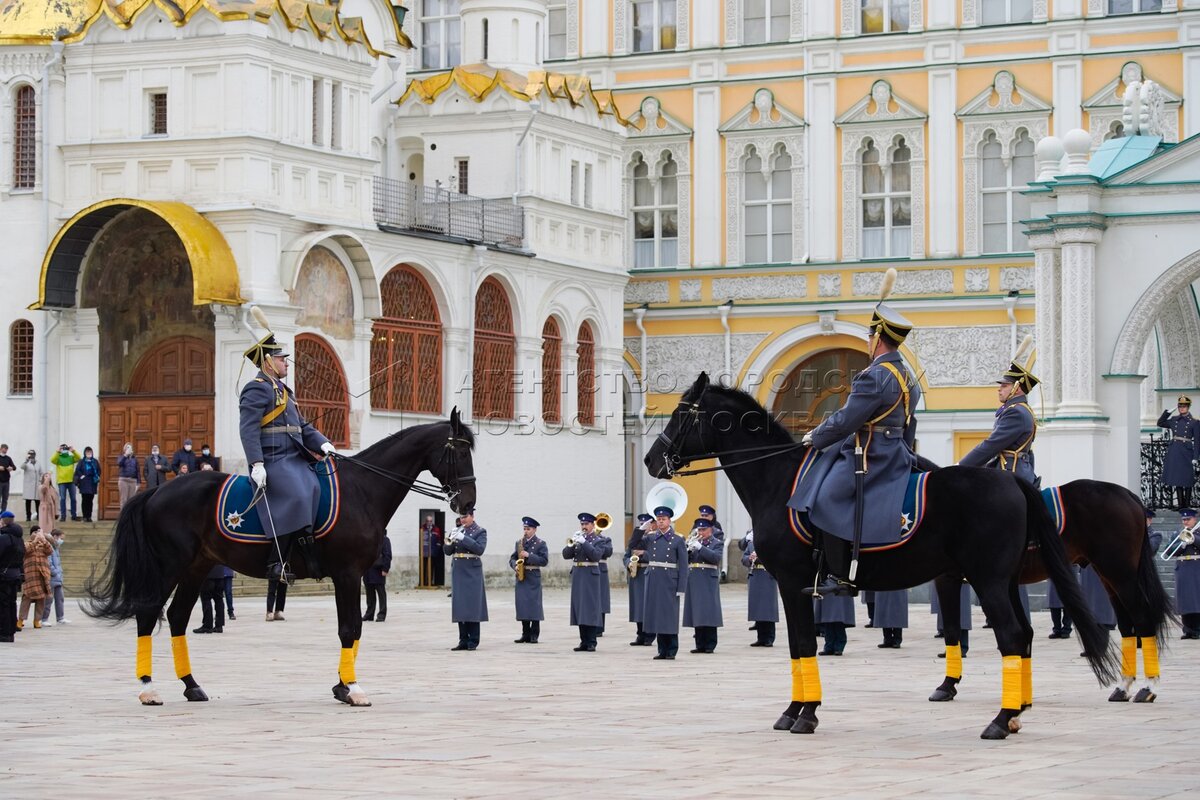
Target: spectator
{"points": [[228, 575], [206, 466], [184, 457], [64, 475], [375, 580], [87, 478], [12, 558], [276, 597], [49, 501], [56, 582], [127, 474], [207, 457], [33, 477], [156, 468], [36, 587], [211, 601], [7, 468], [183, 469]]}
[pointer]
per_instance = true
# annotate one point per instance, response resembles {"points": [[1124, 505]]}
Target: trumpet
{"points": [[520, 561], [693, 537], [1184, 538], [571, 539]]}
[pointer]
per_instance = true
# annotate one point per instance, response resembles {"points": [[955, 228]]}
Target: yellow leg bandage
{"points": [[797, 681], [1010, 684], [346, 666], [1128, 656], [954, 661], [144, 648], [1026, 681], [1150, 657], [812, 679], [179, 649], [355, 648]]}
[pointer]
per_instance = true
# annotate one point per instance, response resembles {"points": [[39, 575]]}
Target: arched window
{"points": [[321, 390], [1116, 130], [406, 346], [551, 371], [586, 370], [1001, 181], [495, 353], [20, 358], [24, 139], [816, 388], [886, 202], [768, 207], [655, 214]]}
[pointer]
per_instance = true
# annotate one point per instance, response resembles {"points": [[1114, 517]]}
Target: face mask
{"points": [[206, 452], [187, 447], [154, 452]]}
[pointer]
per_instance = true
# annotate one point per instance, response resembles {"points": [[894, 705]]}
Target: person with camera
{"points": [[64, 462]]}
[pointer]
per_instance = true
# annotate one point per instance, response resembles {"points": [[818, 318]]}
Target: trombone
{"points": [[1183, 539]]}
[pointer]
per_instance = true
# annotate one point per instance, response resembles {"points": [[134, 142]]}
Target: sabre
{"points": [[860, 474], [283, 572]]}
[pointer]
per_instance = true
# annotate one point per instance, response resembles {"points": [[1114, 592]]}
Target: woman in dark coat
{"points": [[87, 478]]}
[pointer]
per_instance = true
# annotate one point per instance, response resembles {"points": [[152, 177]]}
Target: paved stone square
{"points": [[543, 721]]}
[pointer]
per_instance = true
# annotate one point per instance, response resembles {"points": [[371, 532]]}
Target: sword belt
{"points": [[465, 555], [888, 431], [1182, 439], [703, 566], [281, 429], [663, 564], [587, 563]]}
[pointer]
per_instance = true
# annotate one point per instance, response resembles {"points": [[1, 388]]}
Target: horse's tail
{"points": [[1101, 658], [132, 581], [1158, 604]]}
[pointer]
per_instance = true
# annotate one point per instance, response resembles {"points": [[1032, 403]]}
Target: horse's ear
{"points": [[701, 382], [455, 420]]}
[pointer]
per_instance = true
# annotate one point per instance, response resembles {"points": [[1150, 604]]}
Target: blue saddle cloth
{"points": [[1053, 500], [912, 512], [240, 523]]}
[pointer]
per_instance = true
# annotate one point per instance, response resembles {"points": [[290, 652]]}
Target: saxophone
{"points": [[634, 562], [520, 561]]}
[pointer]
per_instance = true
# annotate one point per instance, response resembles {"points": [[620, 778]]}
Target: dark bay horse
{"points": [[166, 540], [1104, 526], [976, 525]]}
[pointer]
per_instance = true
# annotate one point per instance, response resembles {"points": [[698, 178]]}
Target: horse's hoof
{"points": [[359, 700], [805, 725], [1144, 695], [1118, 696], [784, 723], [1025, 707], [195, 694], [1014, 725], [941, 695], [341, 693], [150, 697], [993, 731]]}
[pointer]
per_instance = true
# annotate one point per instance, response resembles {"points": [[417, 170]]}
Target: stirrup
{"points": [[281, 572], [832, 587]]}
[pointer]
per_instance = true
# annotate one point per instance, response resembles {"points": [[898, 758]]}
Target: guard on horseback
{"points": [[277, 439], [874, 434], [1010, 445]]}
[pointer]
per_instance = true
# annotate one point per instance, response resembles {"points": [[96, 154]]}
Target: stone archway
{"points": [[816, 387]]}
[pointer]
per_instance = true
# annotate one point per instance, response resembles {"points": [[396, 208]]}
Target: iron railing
{"points": [[404, 206], [1154, 494]]}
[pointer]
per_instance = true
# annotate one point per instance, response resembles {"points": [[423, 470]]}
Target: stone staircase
{"points": [[86, 549]]}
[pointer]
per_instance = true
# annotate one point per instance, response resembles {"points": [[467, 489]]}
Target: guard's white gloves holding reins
{"points": [[328, 449], [258, 474]]}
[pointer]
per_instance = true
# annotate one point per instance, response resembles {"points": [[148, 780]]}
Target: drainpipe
{"points": [[639, 316], [534, 105], [724, 310], [44, 369], [56, 53], [1010, 305]]}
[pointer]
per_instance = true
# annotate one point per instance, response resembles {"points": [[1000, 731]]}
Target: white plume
{"points": [[260, 318], [889, 283], [1023, 348]]}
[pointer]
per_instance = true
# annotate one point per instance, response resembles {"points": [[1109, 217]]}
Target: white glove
{"points": [[679, 595], [328, 449], [807, 440], [457, 536], [258, 474], [693, 546], [577, 538]]}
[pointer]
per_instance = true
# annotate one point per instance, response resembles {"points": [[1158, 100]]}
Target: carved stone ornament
{"points": [[673, 362], [760, 287], [647, 292], [1106, 107], [689, 291], [977, 280], [967, 356], [908, 281], [829, 284]]}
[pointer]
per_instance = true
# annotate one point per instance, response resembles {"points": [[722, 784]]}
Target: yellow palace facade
{"points": [[781, 154]]}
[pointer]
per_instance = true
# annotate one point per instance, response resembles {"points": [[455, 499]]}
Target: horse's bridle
{"points": [[673, 458], [448, 491]]}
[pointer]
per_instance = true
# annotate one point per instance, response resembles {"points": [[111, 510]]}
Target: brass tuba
{"points": [[669, 494], [603, 521]]}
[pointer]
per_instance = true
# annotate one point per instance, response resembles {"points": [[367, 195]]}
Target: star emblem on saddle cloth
{"points": [[905, 523], [233, 520]]}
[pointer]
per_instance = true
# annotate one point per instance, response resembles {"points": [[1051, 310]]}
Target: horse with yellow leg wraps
{"points": [[167, 539]]}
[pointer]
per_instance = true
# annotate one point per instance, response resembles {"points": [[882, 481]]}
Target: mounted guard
{"points": [[276, 436], [874, 434], [1010, 445]]}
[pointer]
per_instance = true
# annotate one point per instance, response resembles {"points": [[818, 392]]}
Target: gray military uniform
{"points": [[529, 591], [666, 565], [586, 598], [469, 601], [1009, 447], [702, 603]]}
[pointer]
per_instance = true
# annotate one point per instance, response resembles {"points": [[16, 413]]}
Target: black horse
{"points": [[166, 540], [976, 525], [1104, 525]]}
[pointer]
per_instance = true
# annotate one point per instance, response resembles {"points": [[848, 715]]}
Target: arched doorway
{"points": [[321, 389], [816, 387], [170, 399]]}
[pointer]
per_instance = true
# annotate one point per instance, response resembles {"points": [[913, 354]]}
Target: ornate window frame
{"points": [[1099, 8], [763, 124], [623, 20], [852, 18], [1003, 108], [735, 14], [972, 13], [571, 10], [654, 133], [1108, 105], [881, 116]]}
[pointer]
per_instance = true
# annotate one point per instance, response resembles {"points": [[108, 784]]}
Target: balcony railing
{"points": [[404, 206]]}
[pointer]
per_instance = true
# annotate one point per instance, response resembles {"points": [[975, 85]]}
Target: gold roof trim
{"points": [[480, 80], [43, 21]]}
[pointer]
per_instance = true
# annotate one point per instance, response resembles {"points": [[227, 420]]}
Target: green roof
{"points": [[1117, 155]]}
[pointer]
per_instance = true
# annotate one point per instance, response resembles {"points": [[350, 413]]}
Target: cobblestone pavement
{"points": [[543, 721]]}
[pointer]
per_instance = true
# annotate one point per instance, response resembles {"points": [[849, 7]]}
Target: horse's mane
{"points": [[774, 426], [464, 432]]}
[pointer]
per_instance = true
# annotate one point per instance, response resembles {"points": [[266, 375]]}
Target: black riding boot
{"points": [[277, 556], [831, 585]]}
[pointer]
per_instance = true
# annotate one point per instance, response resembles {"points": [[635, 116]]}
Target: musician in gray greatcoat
{"points": [[891, 614], [834, 613], [964, 616], [585, 550], [1179, 466], [279, 441], [1187, 578], [666, 565], [702, 603], [637, 578], [1009, 446], [606, 551], [468, 605], [762, 594], [709, 513], [534, 554]]}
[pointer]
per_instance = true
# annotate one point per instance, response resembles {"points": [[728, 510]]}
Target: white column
{"points": [[1049, 338], [706, 174], [1191, 94], [1078, 315], [822, 18], [706, 24], [230, 341], [941, 13], [594, 21], [528, 400], [822, 162], [1068, 96], [1120, 462], [1068, 9], [570, 406], [456, 381], [943, 165], [79, 381]]}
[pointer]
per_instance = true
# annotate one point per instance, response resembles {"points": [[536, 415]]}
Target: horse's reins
{"points": [[445, 491], [672, 459]]}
